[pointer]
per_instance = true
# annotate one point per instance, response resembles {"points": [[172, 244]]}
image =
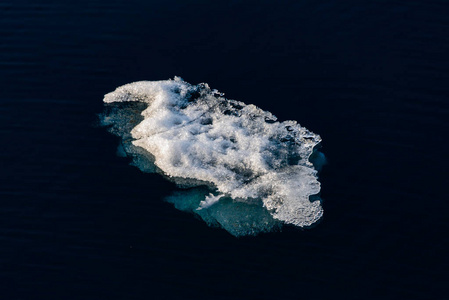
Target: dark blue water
{"points": [[371, 77]]}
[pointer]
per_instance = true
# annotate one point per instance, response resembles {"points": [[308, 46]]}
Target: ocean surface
{"points": [[77, 221]]}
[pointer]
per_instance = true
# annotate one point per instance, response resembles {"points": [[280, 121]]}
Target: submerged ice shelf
{"points": [[244, 170]]}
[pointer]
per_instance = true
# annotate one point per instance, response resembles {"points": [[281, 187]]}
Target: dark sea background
{"points": [[371, 77]]}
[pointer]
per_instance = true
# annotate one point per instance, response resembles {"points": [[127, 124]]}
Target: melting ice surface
{"points": [[242, 170]]}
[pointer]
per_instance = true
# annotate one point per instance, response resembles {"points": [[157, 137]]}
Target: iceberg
{"points": [[241, 168]]}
